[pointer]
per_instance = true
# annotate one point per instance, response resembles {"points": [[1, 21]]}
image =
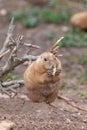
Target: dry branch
{"points": [[56, 44], [12, 64], [68, 101], [10, 86], [9, 35], [13, 45], [54, 48], [12, 82], [4, 53], [33, 46]]}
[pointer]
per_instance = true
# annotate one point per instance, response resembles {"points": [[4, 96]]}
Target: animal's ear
{"points": [[54, 48]]}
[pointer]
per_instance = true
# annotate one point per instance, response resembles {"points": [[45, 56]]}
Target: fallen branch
{"points": [[68, 101]]}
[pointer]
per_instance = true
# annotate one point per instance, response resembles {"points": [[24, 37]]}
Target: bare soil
{"points": [[39, 116]]}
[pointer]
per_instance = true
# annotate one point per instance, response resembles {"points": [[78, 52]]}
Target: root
{"points": [[71, 103]]}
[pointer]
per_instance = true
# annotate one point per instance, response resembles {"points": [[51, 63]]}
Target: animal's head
{"points": [[49, 62]]}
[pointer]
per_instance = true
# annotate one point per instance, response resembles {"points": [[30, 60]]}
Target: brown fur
{"points": [[79, 20], [41, 84]]}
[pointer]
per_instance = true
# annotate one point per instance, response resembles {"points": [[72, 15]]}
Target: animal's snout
{"points": [[52, 65]]}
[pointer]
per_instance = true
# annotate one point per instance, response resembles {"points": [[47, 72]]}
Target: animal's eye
{"points": [[45, 59]]}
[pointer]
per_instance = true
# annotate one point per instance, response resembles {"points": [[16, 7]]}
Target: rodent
{"points": [[41, 80], [79, 20]]}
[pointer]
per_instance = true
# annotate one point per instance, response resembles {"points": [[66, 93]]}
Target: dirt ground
{"points": [[40, 116]]}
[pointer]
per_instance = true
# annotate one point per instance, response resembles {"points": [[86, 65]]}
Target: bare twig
{"points": [[33, 46], [9, 35], [4, 53], [55, 46]]}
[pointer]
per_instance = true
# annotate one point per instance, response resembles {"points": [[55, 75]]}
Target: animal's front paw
{"points": [[50, 72], [58, 72]]}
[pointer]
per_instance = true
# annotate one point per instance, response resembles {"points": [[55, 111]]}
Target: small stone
{"points": [[6, 125], [3, 12], [85, 120], [82, 127], [38, 111], [79, 113], [68, 121]]}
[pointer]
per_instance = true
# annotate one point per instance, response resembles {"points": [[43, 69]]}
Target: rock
{"points": [[3, 12], [79, 20], [6, 125]]}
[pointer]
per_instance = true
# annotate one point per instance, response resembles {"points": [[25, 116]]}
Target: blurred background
{"points": [[42, 22]]}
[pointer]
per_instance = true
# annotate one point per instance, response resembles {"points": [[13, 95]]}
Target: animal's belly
{"points": [[46, 92], [48, 89]]}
